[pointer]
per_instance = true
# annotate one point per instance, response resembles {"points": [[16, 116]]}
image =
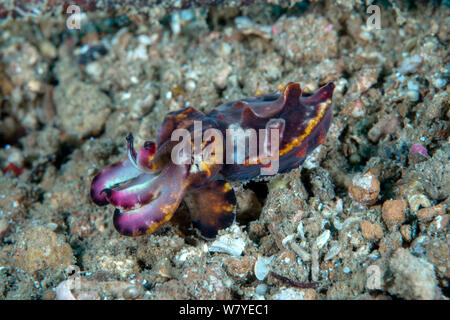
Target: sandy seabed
{"points": [[365, 217]]}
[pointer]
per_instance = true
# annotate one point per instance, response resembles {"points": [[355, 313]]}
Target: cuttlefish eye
{"points": [[150, 146]]}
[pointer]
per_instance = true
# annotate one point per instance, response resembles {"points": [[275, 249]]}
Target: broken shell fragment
{"points": [[262, 268]]}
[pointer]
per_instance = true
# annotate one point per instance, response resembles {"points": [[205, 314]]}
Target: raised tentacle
{"points": [[144, 159], [146, 155]]}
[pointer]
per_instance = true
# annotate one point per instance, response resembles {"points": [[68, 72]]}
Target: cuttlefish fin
{"points": [[212, 207]]}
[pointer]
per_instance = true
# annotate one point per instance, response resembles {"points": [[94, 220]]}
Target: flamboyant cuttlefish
{"points": [[148, 187]]}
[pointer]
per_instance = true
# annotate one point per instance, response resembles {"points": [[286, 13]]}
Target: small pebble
{"points": [[420, 149], [261, 289], [221, 76], [419, 244], [394, 212], [145, 39], [224, 49], [412, 95], [175, 24], [132, 293], [233, 244], [410, 64], [190, 85], [427, 214], [439, 83], [48, 49], [323, 238], [3, 227], [406, 232], [440, 222], [52, 226], [187, 15], [332, 253], [418, 200], [364, 188], [413, 86], [371, 231], [414, 277]]}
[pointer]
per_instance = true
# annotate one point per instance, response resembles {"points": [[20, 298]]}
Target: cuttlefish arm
{"points": [[212, 207], [120, 173], [166, 192], [133, 194]]}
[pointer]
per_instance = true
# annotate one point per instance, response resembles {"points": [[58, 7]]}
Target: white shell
{"points": [[323, 238], [262, 267], [231, 243]]}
